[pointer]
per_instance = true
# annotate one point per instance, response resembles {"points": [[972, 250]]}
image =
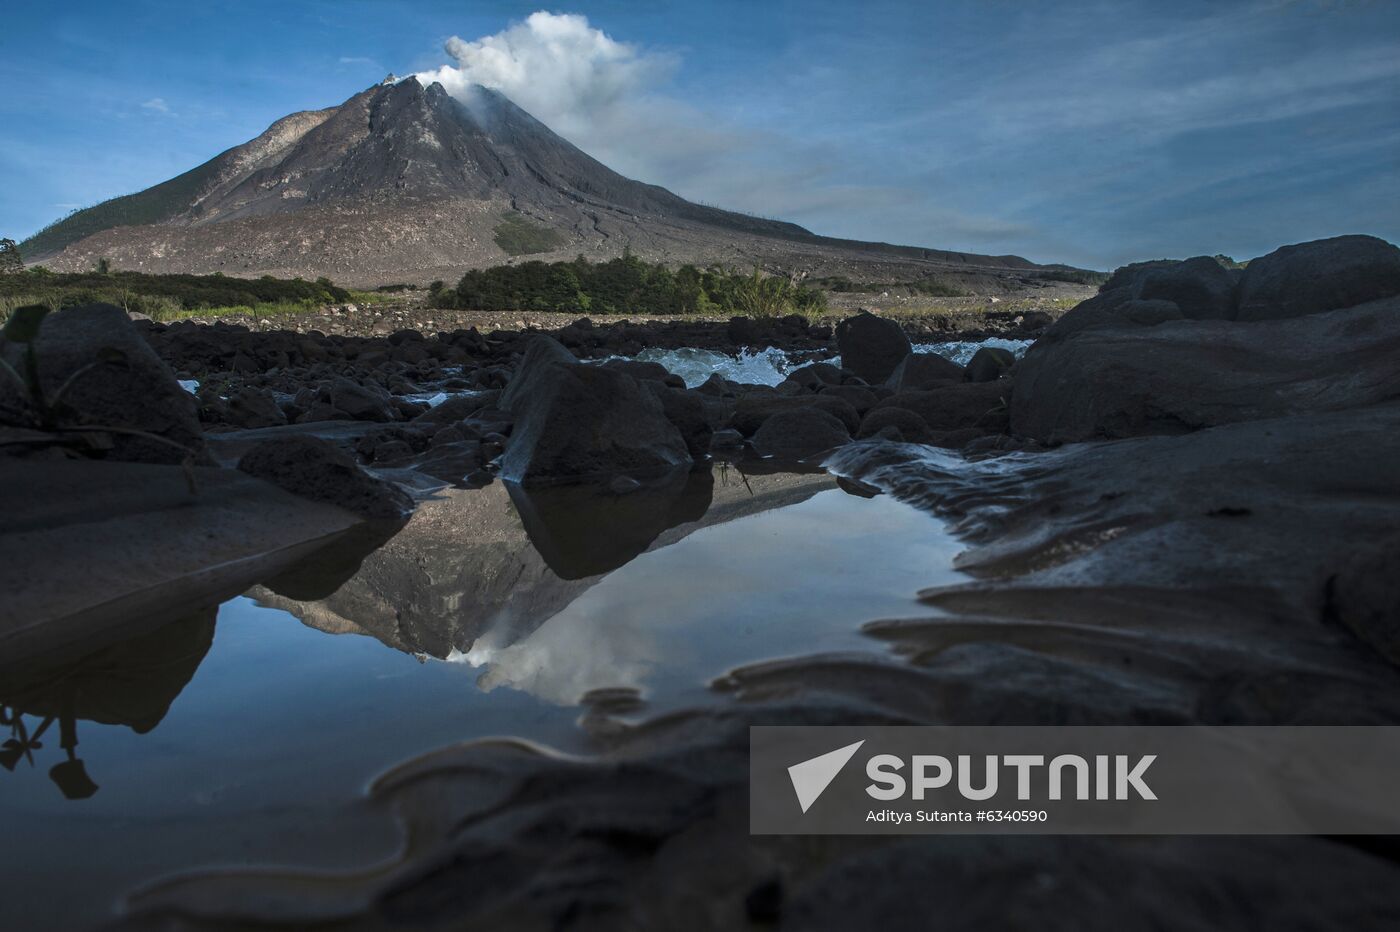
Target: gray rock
{"points": [[540, 355], [989, 364], [815, 376], [924, 370], [1187, 374], [319, 470], [1365, 596], [646, 371], [358, 402], [132, 389], [252, 408], [958, 406], [578, 421], [871, 346], [800, 433], [859, 397], [898, 424], [753, 409], [688, 412], [1201, 288], [1323, 275]]}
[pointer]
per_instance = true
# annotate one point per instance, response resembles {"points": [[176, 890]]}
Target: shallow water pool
{"points": [[248, 734]]}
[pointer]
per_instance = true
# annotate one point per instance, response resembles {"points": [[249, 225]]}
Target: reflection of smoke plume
{"points": [[571, 76]]}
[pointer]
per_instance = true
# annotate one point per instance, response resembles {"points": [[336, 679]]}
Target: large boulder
{"points": [[689, 412], [1323, 275], [117, 381], [924, 370], [1186, 374], [871, 346], [1201, 288], [800, 433], [540, 355], [580, 422], [319, 470]]}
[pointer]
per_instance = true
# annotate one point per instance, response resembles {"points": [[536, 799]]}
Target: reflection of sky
{"points": [[799, 579]]}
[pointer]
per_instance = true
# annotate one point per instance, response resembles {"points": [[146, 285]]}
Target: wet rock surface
{"points": [[319, 470]]}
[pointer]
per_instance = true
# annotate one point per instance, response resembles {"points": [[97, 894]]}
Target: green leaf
{"points": [[23, 325]]}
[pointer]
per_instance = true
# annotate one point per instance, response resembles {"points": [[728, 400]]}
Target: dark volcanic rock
{"points": [[871, 346], [755, 408], [534, 368], [989, 364], [578, 421], [924, 370], [125, 385], [1365, 596], [1323, 275], [959, 406], [799, 433], [1186, 374], [253, 408], [359, 402], [688, 412], [1202, 288], [898, 424], [319, 470]]}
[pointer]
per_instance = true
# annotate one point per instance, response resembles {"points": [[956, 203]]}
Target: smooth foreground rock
{"points": [[576, 421], [1187, 374], [89, 548], [136, 391], [319, 470], [799, 433], [871, 346]]}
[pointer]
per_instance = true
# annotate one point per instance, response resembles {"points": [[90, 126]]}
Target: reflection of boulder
{"points": [[132, 683], [465, 563], [585, 530]]}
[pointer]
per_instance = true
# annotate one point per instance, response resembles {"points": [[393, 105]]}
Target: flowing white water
{"points": [[770, 366]]}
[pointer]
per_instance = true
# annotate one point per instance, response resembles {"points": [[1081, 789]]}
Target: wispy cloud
{"points": [[157, 105], [361, 60]]}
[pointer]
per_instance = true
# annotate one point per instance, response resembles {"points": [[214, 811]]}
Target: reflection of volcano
{"points": [[132, 683], [503, 560]]}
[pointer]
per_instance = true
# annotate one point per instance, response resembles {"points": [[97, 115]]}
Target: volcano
{"points": [[407, 183]]}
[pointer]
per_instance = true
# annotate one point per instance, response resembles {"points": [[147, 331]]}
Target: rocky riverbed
{"points": [[1177, 506]]}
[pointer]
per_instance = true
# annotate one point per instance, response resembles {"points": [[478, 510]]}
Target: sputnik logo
{"points": [[811, 777]]}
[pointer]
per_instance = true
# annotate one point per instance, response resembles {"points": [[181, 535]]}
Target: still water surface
{"points": [[248, 734]]}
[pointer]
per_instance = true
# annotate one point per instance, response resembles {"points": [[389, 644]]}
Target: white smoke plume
{"points": [[572, 77]]}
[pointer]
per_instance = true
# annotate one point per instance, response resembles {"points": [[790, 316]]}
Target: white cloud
{"points": [[571, 76], [157, 105]]}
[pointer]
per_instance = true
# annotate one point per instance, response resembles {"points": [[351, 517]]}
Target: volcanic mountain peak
{"points": [[406, 181]]}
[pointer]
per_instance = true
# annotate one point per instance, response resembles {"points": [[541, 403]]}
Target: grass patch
{"points": [[520, 237]]}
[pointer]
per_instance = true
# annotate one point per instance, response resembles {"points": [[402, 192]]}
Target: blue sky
{"points": [[1081, 132]]}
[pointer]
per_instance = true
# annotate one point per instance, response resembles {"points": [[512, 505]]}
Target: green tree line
{"points": [[628, 285]]}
